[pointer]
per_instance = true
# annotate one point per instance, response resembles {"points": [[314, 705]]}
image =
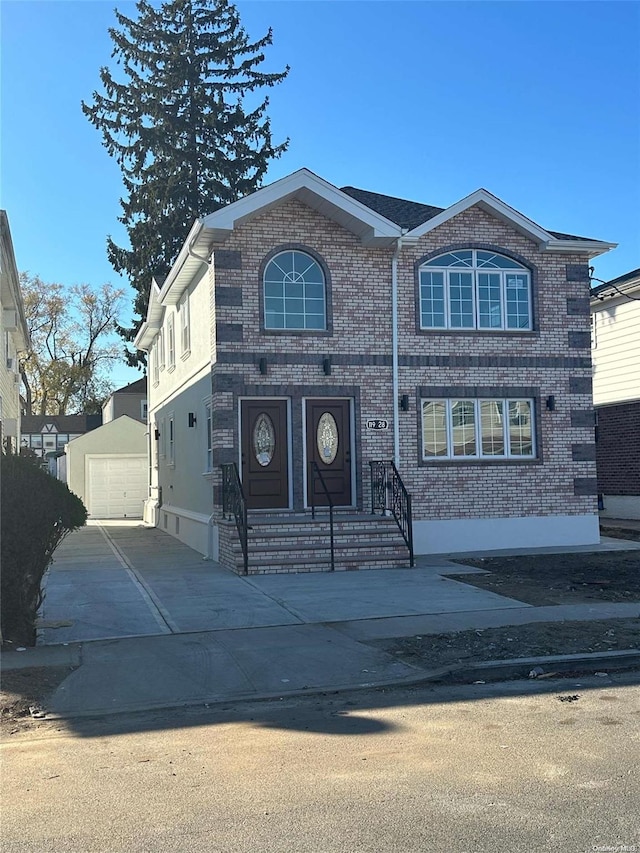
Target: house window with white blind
{"points": [[185, 333]]}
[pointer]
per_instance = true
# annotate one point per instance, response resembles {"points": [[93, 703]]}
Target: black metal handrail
{"points": [[388, 493], [314, 471], [234, 504]]}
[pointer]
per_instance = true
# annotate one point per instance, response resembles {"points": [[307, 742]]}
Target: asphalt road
{"points": [[521, 766]]}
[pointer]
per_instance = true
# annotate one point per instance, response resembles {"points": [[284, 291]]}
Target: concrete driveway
{"points": [[113, 580]]}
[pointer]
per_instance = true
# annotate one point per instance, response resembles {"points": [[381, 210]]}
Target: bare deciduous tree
{"points": [[72, 345]]}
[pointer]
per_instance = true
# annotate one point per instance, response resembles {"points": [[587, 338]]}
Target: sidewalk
{"points": [[185, 631]]}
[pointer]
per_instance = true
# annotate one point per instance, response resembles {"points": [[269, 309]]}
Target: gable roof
{"points": [[377, 220], [62, 423], [624, 284], [411, 214], [137, 387]]}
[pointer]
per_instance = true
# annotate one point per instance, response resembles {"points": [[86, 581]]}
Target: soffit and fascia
{"points": [[373, 230]]}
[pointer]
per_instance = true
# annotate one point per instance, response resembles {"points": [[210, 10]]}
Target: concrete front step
{"points": [[280, 543]]}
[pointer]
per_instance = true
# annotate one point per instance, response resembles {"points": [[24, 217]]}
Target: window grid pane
{"points": [[492, 427], [434, 429], [294, 293], [463, 428], [475, 299], [520, 428], [461, 300], [432, 298], [468, 429]]}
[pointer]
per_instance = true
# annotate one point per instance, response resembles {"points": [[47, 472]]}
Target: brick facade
{"points": [[618, 449], [553, 360]]}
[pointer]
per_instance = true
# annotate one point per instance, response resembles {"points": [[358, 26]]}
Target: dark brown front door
{"points": [[265, 454], [329, 445]]}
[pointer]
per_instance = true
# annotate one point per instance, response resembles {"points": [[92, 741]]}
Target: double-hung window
{"points": [[475, 289], [477, 429], [294, 293], [171, 343], [160, 346], [154, 357], [185, 336]]}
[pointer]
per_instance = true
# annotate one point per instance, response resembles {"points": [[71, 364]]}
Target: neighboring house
{"points": [[307, 328], [615, 341], [130, 400], [15, 340], [47, 435], [108, 468]]}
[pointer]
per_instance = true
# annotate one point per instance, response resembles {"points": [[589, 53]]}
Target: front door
{"points": [[329, 446], [265, 453]]}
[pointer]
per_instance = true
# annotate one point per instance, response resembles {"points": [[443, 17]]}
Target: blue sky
{"points": [[536, 101]]}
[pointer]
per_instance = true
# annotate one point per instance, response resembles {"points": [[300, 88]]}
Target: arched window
{"points": [[475, 289], [294, 292]]}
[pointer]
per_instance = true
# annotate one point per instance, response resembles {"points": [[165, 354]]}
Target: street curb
{"points": [[37, 656], [484, 671]]}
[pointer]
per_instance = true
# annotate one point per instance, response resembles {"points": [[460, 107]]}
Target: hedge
{"points": [[36, 513]]}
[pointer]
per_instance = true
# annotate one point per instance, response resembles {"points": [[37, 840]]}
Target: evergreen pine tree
{"points": [[180, 128]]}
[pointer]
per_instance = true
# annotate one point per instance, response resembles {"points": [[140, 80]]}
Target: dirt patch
{"points": [[520, 641], [620, 533], [545, 579], [24, 693]]}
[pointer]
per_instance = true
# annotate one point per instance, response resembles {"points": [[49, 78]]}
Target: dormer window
{"points": [[294, 293], [475, 289]]}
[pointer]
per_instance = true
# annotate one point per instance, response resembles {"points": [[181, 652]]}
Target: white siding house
{"points": [[615, 339], [14, 337]]}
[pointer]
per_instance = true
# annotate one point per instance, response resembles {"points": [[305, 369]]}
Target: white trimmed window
{"points": [[160, 345], [208, 438], [185, 334], [477, 429], [294, 293], [155, 363], [144, 410], [171, 440], [171, 343], [475, 289], [163, 438]]}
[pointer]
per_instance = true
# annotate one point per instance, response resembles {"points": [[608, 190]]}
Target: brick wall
{"points": [[618, 449], [553, 360]]}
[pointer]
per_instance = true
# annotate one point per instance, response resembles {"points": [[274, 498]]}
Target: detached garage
{"points": [[108, 469]]}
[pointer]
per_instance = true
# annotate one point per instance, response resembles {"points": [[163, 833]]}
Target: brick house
{"points": [[308, 334], [615, 340]]}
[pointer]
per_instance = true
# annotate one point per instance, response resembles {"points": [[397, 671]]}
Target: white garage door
{"points": [[117, 486]]}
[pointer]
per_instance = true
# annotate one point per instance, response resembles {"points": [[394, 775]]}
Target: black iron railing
{"points": [[234, 505], [316, 474], [388, 494]]}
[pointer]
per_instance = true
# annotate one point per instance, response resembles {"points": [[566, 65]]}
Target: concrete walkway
{"points": [[150, 624]]}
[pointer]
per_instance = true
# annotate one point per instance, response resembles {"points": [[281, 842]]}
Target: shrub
{"points": [[36, 513]]}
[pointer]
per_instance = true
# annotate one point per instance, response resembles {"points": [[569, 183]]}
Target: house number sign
{"points": [[377, 424]]}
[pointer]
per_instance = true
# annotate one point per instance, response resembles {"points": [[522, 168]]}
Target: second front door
{"points": [[328, 444]]}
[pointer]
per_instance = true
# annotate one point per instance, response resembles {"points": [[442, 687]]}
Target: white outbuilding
{"points": [[108, 469]]}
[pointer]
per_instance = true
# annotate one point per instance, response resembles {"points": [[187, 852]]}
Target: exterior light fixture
{"points": [[192, 419]]}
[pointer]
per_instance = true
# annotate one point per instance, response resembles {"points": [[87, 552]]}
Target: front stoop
{"points": [[292, 543]]}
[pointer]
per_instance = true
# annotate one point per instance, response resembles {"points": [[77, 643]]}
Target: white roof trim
{"points": [[498, 208], [485, 200], [153, 322], [315, 192]]}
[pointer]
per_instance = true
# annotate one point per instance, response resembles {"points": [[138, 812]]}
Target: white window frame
{"points": [[475, 270], [185, 331], [208, 439], [155, 364], [171, 439], [479, 455], [161, 352], [296, 329], [171, 343], [144, 410], [162, 450]]}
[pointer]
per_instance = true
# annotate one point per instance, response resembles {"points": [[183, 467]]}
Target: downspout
{"points": [[394, 352]]}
